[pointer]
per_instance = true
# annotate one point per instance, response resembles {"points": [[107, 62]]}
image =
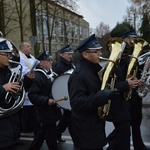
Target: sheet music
{"points": [[36, 62]]}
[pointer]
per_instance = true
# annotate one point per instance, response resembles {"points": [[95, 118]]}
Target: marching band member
{"points": [[11, 95], [47, 111], [85, 97], [135, 103], [62, 66], [28, 116], [9, 125]]}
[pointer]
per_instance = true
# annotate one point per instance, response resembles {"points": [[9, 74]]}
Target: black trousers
{"points": [[65, 123], [46, 132], [119, 139], [135, 105], [29, 119]]}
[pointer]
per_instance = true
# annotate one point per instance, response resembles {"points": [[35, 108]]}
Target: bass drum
{"points": [[60, 90]]}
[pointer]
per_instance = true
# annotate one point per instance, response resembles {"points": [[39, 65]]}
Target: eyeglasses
{"points": [[48, 60], [6, 54], [96, 51]]}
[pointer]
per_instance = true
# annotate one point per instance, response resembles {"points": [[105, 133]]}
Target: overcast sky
{"points": [[107, 11]]}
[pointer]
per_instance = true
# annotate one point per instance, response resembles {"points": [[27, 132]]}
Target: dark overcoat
{"points": [[119, 110], [9, 125], [39, 94], [85, 98], [62, 66]]}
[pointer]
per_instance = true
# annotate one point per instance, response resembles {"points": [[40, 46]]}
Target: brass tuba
{"points": [[139, 45], [116, 47], [13, 101]]}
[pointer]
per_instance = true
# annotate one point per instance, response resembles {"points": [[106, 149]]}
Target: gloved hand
{"points": [[112, 94], [115, 94]]}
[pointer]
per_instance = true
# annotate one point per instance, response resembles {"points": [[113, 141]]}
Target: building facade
{"points": [[56, 26]]}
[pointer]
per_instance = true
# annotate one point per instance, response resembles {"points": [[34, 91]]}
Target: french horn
{"points": [[13, 101]]}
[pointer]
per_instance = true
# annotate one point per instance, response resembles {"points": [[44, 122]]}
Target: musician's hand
{"points": [[115, 94], [140, 83], [112, 93], [133, 83], [51, 102], [31, 75], [11, 87]]}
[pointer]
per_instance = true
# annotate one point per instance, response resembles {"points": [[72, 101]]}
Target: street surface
{"points": [[68, 145]]}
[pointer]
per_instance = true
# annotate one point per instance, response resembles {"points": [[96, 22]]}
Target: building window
{"points": [[46, 46], [53, 25], [38, 24], [72, 31], [76, 33], [45, 30], [54, 48], [81, 32], [60, 30]]}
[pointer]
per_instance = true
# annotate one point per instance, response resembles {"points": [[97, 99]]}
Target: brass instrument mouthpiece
{"points": [[102, 58], [11, 61], [106, 59]]}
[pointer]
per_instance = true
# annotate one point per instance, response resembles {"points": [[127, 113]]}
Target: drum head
{"points": [[60, 90]]}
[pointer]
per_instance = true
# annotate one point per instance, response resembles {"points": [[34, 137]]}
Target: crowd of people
{"points": [[41, 114]]}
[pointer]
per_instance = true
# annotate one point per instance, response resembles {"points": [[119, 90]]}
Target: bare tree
{"points": [[16, 17], [102, 32], [102, 29], [136, 11], [2, 18]]}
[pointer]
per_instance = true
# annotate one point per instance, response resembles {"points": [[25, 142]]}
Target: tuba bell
{"points": [[13, 101], [139, 47], [116, 47]]}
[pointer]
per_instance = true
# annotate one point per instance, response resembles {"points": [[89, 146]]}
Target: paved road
{"points": [[68, 145]]}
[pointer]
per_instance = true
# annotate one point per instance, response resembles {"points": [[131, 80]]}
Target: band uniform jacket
{"points": [[119, 110], [9, 125], [39, 94], [135, 103], [85, 98], [63, 66]]}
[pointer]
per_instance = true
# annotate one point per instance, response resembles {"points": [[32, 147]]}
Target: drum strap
{"points": [[50, 76], [73, 66]]}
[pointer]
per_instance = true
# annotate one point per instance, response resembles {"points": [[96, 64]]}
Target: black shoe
{"points": [[61, 140]]}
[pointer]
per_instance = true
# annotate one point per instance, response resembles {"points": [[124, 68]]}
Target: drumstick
{"points": [[61, 99]]}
